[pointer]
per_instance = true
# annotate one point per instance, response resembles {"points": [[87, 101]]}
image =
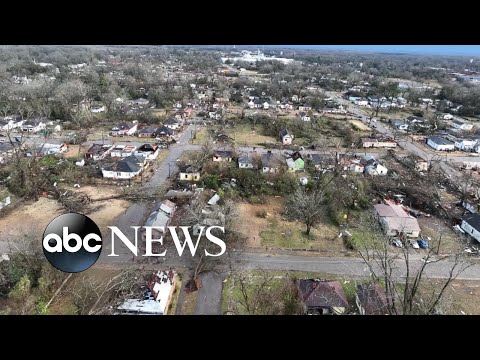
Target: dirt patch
{"points": [[359, 125], [33, 217], [434, 228], [264, 226], [73, 153], [243, 135], [464, 297]]}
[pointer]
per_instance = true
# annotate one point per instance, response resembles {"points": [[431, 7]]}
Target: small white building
{"points": [[361, 102], [376, 169], [285, 137], [457, 124], [471, 225], [97, 109], [465, 144], [440, 144]]}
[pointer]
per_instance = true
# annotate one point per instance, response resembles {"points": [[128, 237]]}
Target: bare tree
{"points": [[405, 277], [262, 294], [305, 206], [92, 296]]}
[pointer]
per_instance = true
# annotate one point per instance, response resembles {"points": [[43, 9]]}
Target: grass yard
{"points": [[232, 294], [172, 307], [359, 125], [274, 232], [73, 153], [434, 228], [464, 298], [188, 307], [244, 135], [200, 137]]}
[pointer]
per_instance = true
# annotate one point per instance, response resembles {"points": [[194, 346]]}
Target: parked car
{"points": [[397, 243], [414, 244], [423, 243]]}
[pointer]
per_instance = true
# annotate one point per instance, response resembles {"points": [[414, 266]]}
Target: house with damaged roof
{"points": [[371, 300], [322, 297], [471, 225], [395, 221]]}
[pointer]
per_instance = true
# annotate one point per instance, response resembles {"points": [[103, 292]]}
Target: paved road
{"points": [[138, 212], [209, 297], [346, 266]]}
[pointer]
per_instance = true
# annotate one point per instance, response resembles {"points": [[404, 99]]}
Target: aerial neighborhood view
{"points": [[313, 181]]}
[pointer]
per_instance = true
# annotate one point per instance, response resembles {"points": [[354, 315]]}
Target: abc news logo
{"points": [[73, 242]]}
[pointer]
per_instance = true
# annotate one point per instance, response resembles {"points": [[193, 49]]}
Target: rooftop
{"points": [[440, 140]]}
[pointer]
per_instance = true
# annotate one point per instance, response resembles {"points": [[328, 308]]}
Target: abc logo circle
{"points": [[72, 242]]}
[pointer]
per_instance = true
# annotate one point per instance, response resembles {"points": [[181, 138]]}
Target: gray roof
{"points": [[458, 122], [157, 218], [284, 132], [223, 153], [128, 164], [439, 140], [245, 158], [473, 220], [171, 121], [271, 160]]}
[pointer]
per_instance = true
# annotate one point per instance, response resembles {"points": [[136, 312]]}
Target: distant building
{"points": [[471, 225], [440, 144], [285, 137], [457, 124]]}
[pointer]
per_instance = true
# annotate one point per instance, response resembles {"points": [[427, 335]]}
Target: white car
{"points": [[414, 244], [397, 243]]}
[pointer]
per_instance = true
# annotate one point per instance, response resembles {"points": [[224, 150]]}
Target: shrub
{"points": [[257, 200], [21, 289], [261, 213]]}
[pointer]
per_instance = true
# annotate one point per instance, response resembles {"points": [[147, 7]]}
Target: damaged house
{"points": [[395, 221]]}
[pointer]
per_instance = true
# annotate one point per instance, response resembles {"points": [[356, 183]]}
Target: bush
{"points": [[261, 213], [349, 243], [257, 200], [21, 289]]}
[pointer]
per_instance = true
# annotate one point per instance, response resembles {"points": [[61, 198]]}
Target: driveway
{"points": [[209, 297]]}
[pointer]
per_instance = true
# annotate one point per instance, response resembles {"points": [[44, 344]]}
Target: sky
{"points": [[471, 50]]}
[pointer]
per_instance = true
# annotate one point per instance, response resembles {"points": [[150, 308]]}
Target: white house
{"points": [[125, 168], [148, 151], [471, 225], [304, 108], [396, 221], [97, 109], [376, 169], [33, 126], [361, 102], [122, 150], [465, 144], [246, 160], [251, 104], [440, 144], [266, 105], [271, 162], [172, 123], [457, 124], [285, 137]]}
